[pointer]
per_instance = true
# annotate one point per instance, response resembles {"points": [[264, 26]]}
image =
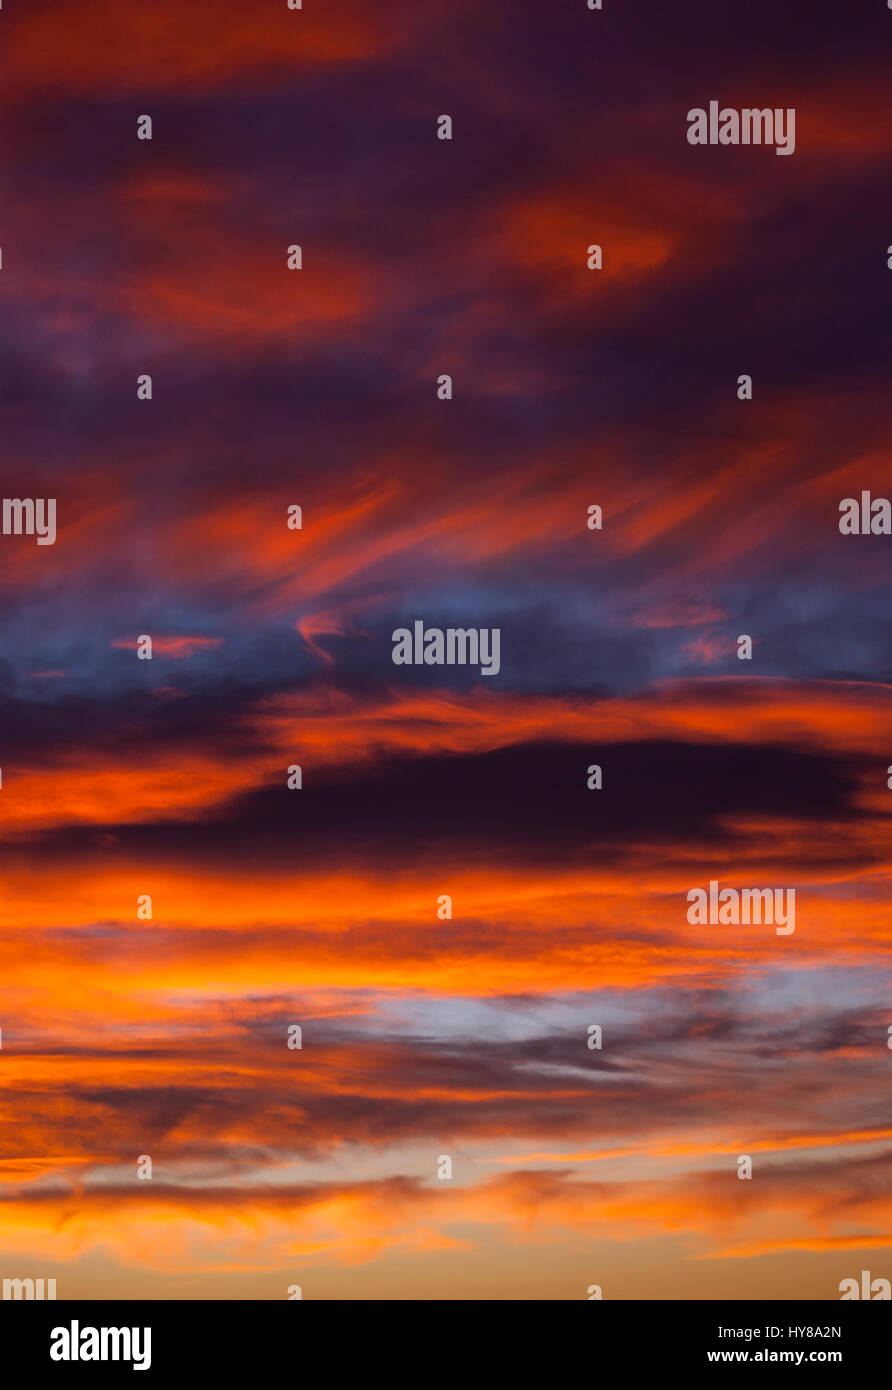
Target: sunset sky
{"points": [[121, 777]]}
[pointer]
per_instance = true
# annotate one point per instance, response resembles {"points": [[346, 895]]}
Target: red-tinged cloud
{"points": [[708, 649], [177, 648], [678, 612], [333, 730], [81, 44]]}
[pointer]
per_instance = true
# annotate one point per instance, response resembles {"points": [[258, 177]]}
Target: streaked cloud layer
{"points": [[123, 1037]]}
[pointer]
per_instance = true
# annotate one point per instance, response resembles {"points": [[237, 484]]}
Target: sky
{"points": [[426, 1037]]}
